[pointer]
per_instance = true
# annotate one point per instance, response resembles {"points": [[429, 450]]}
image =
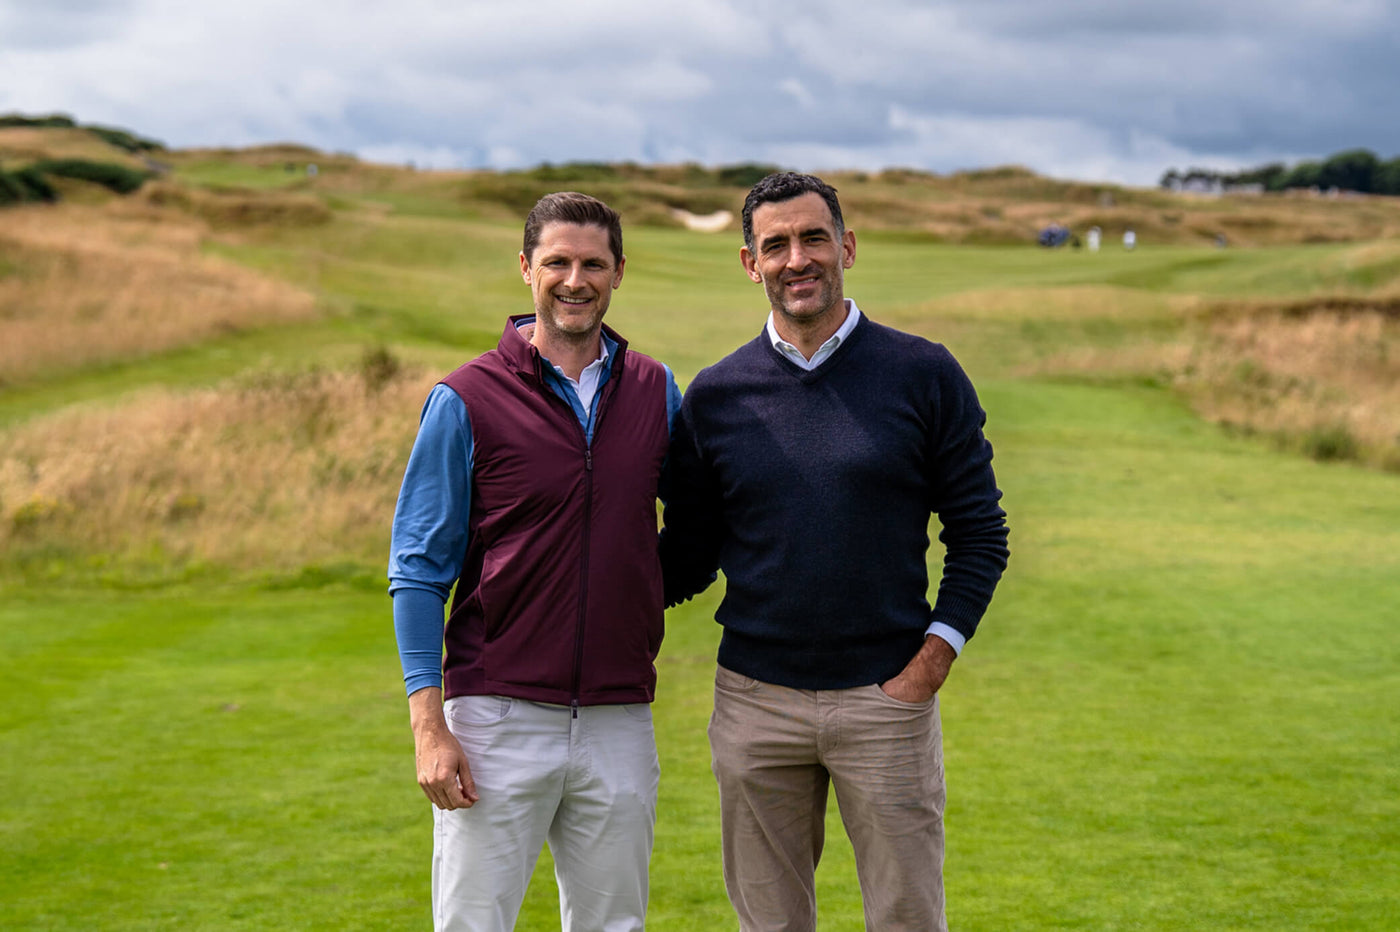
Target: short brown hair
{"points": [[572, 207]]}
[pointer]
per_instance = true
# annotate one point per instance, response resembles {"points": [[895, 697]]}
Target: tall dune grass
{"points": [[85, 284], [1323, 377], [271, 471], [1320, 376]]}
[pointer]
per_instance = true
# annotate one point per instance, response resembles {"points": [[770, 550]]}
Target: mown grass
{"points": [[1179, 712], [1177, 715]]}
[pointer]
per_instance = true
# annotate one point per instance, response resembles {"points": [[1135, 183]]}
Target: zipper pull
{"points": [[574, 706], [588, 461]]}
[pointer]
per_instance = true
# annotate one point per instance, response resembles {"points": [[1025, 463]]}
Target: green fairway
{"points": [[1180, 712]]}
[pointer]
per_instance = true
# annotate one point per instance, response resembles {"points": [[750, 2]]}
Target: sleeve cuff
{"points": [[951, 635]]}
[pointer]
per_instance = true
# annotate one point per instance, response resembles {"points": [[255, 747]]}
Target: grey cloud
{"points": [[58, 24], [1066, 87]]}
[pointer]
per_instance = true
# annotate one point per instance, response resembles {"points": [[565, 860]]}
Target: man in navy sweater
{"points": [[806, 465]]}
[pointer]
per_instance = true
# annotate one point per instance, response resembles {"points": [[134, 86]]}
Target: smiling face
{"points": [[800, 260], [571, 275]]}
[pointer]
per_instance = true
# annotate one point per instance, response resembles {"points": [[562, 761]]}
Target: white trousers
{"points": [[587, 785]]}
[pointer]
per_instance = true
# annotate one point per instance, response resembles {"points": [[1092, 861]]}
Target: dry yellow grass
{"points": [[269, 471], [81, 284], [1322, 375], [224, 209], [1326, 374], [21, 145]]}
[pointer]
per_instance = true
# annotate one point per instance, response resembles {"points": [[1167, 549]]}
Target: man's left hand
{"points": [[923, 676]]}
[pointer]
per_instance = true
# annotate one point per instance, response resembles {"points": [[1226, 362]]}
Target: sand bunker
{"points": [[705, 223]]}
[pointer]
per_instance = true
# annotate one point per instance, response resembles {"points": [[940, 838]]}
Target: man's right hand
{"points": [[443, 771]]}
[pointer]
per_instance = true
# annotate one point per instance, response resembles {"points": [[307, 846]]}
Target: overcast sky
{"points": [[1089, 89]]}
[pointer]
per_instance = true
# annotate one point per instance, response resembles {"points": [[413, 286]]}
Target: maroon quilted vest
{"points": [[560, 597]]}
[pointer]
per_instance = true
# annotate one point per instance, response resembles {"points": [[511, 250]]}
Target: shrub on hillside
{"points": [[124, 140], [11, 190], [117, 178], [36, 184], [576, 172], [745, 174], [25, 186], [54, 120]]}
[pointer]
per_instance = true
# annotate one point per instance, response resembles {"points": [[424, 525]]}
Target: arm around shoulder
{"points": [[693, 515]]}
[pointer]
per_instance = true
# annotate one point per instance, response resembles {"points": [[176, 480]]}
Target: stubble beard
{"points": [[823, 303], [559, 332]]}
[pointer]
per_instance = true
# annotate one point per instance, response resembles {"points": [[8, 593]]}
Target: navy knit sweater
{"points": [[812, 492]]}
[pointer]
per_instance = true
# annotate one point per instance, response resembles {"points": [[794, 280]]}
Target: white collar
{"points": [[826, 349]]}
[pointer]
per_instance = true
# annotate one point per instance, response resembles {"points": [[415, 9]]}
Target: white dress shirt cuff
{"points": [[951, 635]]}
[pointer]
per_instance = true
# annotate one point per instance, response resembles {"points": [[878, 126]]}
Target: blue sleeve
{"points": [[692, 519], [673, 399], [429, 537], [673, 407], [418, 629]]}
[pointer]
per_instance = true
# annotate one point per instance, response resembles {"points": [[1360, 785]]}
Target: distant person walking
{"points": [[532, 486], [806, 465]]}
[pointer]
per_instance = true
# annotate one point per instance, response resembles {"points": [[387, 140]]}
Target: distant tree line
{"points": [[1353, 170], [111, 135]]}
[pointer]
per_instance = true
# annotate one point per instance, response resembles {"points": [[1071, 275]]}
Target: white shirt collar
{"points": [[587, 385], [826, 349]]}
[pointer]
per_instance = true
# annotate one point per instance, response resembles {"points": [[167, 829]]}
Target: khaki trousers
{"points": [[774, 752]]}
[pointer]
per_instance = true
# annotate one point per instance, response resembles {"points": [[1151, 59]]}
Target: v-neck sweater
{"points": [[812, 491]]}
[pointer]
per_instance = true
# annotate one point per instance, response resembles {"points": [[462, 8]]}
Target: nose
{"points": [[575, 279], [797, 257]]}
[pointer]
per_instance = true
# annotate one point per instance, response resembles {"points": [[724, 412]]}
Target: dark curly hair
{"points": [[784, 186]]}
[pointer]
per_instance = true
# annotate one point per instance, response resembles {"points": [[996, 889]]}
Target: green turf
{"points": [[1180, 713]]}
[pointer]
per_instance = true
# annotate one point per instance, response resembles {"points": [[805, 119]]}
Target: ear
{"points": [[617, 279], [848, 249], [750, 265], [525, 268]]}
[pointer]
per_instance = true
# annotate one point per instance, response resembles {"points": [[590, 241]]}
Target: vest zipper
{"points": [[583, 575], [587, 536], [596, 418]]}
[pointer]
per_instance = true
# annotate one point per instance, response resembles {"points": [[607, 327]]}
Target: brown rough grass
{"points": [[223, 209], [81, 284], [21, 145], [1325, 375], [1321, 376], [269, 471]]}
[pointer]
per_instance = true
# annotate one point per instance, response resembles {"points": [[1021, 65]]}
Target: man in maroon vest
{"points": [[532, 487]]}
